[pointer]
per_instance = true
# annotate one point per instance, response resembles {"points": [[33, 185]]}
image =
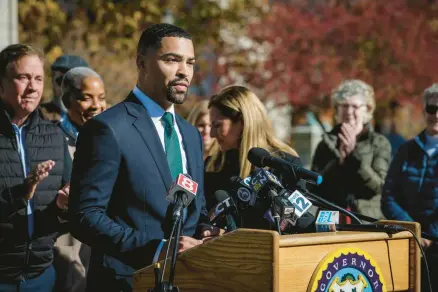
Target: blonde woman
{"points": [[199, 117], [239, 122]]}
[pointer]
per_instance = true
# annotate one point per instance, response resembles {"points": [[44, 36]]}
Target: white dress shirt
{"points": [[156, 112]]}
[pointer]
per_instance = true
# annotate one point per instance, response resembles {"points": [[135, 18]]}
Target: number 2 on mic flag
{"points": [[301, 203], [187, 184]]}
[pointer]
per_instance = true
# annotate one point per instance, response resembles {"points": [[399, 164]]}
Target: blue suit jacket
{"points": [[119, 181]]}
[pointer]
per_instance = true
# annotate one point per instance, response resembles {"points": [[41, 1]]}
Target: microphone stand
{"points": [[323, 201], [172, 288], [275, 215], [333, 206], [163, 286]]}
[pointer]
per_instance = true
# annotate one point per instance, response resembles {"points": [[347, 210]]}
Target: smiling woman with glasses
{"points": [[353, 158], [411, 188]]}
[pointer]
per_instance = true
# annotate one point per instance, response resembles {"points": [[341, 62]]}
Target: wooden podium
{"points": [[258, 260]]}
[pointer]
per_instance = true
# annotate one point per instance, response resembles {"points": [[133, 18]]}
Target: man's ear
{"points": [[140, 62]]}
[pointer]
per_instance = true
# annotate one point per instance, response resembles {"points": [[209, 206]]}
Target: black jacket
{"points": [[21, 257]]}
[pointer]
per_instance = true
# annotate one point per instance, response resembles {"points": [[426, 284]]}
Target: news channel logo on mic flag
{"points": [[261, 177], [187, 184], [347, 270], [301, 203], [326, 221]]}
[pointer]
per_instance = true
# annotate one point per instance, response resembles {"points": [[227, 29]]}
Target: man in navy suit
{"points": [[126, 159]]}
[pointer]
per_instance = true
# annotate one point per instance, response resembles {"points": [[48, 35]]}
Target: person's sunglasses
{"points": [[58, 80], [431, 109]]}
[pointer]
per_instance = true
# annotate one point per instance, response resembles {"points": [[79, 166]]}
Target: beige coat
{"points": [[71, 256]]}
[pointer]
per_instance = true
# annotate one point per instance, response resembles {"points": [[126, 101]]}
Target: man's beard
{"points": [[173, 96]]}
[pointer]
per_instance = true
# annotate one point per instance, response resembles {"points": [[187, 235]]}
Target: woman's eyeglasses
{"points": [[353, 106], [431, 109]]}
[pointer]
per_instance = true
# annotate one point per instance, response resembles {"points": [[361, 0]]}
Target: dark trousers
{"points": [[432, 261], [43, 283]]}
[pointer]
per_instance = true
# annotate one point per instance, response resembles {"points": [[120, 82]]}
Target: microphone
{"points": [[242, 189], [327, 221], [262, 181], [181, 193], [301, 204], [293, 207], [283, 207], [261, 158], [280, 212], [224, 209]]}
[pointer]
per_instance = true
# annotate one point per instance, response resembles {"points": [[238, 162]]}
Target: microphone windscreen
{"points": [[256, 156], [221, 195]]}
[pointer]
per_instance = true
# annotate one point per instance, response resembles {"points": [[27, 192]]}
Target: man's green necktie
{"points": [[171, 144]]}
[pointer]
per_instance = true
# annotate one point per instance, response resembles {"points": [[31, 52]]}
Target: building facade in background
{"points": [[8, 23]]}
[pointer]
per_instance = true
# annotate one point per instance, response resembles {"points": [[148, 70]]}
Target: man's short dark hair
{"points": [[15, 52], [152, 36]]}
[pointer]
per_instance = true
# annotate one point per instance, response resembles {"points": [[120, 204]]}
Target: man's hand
{"points": [[62, 198], [426, 243], [39, 173], [210, 232], [186, 242]]}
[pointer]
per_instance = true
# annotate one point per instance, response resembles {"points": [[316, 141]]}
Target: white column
{"points": [[8, 23]]}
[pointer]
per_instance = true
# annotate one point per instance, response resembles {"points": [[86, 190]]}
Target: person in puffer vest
{"points": [[34, 175], [410, 192], [353, 158]]}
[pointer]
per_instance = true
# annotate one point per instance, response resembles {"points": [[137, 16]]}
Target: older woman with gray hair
{"points": [[83, 94], [352, 158], [410, 192]]}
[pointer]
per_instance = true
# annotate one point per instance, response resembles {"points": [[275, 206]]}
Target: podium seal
{"points": [[347, 270]]}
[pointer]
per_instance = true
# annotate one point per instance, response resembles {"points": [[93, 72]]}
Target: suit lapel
{"points": [[146, 128], [188, 146], [190, 149]]}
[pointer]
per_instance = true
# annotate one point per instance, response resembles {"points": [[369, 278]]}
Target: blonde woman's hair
{"points": [[201, 109], [238, 103]]}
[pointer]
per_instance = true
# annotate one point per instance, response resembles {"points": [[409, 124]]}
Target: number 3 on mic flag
{"points": [[188, 184], [301, 203]]}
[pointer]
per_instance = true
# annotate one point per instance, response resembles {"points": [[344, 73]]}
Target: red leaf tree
{"points": [[393, 45]]}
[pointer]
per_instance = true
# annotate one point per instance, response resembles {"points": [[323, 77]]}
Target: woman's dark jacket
{"points": [[359, 180], [410, 192]]}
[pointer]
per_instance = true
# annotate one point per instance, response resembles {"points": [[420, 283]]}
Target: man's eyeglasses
{"points": [[431, 109]]}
